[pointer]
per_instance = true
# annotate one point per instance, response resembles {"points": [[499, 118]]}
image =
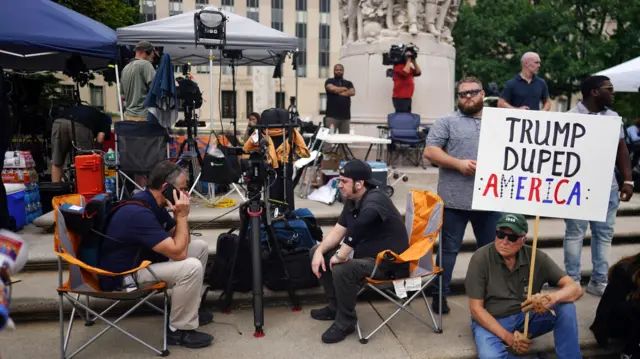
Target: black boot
{"points": [[325, 313], [435, 305], [189, 338], [335, 334]]}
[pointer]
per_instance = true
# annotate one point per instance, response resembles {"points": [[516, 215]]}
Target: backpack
{"points": [[298, 264], [219, 274], [297, 229]]}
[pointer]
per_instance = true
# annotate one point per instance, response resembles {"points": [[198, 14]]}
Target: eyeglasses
{"points": [[464, 94], [511, 237]]}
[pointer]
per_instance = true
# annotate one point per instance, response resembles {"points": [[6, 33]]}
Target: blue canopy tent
{"points": [[40, 35]]}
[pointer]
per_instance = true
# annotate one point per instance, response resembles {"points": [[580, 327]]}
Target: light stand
{"points": [[233, 55]]}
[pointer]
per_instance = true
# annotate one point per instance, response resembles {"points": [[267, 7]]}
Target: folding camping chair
{"points": [[310, 164], [423, 221], [407, 140], [83, 281], [139, 147]]}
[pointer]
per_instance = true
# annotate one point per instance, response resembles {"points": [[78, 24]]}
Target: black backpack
{"points": [[219, 275]]}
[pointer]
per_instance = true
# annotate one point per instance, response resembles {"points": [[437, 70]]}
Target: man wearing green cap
{"points": [[497, 282]]}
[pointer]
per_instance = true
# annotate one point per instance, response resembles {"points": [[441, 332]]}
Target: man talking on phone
{"points": [[146, 231]]}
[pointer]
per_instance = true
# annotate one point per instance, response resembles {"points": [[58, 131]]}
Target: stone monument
{"points": [[370, 27]]}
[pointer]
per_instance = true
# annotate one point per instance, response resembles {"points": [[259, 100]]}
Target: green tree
{"points": [[113, 13], [573, 37]]}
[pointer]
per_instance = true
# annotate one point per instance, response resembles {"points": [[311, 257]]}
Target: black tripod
{"points": [[252, 214], [190, 142]]}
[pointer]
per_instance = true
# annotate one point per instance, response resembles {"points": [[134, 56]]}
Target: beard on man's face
{"points": [[470, 107]]}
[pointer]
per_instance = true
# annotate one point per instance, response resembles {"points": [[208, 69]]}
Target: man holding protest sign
{"points": [[597, 96], [452, 144], [496, 283]]}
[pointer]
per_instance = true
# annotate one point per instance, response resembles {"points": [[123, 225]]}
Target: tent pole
{"points": [[211, 57], [121, 119], [295, 58]]}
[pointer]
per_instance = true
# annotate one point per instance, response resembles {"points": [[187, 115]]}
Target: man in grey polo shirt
{"points": [[452, 144], [137, 77], [597, 96], [497, 282]]}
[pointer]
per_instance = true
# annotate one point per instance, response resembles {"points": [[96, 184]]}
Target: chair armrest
{"points": [[72, 260], [413, 253]]}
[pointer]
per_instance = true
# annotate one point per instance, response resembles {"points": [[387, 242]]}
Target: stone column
{"points": [[264, 93]]}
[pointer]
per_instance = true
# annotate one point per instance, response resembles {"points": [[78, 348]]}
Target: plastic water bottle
{"points": [[352, 131], [332, 129], [128, 283]]}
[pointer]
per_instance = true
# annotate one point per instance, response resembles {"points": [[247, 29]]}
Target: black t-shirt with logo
{"points": [[338, 107]]}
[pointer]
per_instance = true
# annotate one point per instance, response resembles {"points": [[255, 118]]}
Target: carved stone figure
{"points": [[450, 17], [348, 12], [371, 17]]}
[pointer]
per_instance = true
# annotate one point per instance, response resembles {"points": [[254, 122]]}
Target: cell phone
{"points": [[168, 193]]}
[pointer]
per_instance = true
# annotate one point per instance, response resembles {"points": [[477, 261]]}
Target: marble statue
{"points": [[368, 20]]}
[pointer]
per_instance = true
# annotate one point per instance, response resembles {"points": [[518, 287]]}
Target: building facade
{"points": [[314, 22]]}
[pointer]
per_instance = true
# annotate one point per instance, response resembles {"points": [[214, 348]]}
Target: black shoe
{"points": [[325, 313], [189, 338], [205, 316], [335, 335], [435, 305]]}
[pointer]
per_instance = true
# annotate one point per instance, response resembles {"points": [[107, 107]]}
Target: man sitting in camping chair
{"points": [[497, 283], [370, 223], [147, 232]]}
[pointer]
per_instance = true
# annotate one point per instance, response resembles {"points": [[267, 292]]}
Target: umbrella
{"points": [[162, 100]]}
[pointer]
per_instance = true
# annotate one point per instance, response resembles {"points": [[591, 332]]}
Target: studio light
{"points": [[210, 28]]}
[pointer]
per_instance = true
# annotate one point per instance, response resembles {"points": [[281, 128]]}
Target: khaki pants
{"points": [[340, 126], [185, 278], [133, 118]]}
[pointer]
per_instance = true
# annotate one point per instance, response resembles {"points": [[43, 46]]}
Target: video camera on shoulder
{"points": [[396, 54]]}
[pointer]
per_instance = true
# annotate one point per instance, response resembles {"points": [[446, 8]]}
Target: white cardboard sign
{"points": [[548, 164]]}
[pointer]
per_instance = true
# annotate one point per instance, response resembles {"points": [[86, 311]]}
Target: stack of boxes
{"points": [[21, 182]]}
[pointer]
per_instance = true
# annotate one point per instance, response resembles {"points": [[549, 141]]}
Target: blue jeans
{"points": [[454, 224], [564, 326], [601, 236]]}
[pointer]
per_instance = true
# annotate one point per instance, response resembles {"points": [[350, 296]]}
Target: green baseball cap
{"points": [[515, 222]]}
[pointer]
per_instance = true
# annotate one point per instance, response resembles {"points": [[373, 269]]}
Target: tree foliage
{"points": [[113, 13], [574, 38]]}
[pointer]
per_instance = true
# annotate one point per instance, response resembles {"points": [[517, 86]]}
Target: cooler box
{"points": [[16, 204], [48, 190], [90, 175], [380, 172]]}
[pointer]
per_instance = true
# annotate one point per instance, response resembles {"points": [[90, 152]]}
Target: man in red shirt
{"points": [[403, 85]]}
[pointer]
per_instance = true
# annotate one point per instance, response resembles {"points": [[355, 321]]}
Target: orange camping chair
{"points": [[83, 281], [423, 220]]}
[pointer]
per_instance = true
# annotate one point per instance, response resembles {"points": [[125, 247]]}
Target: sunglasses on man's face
{"points": [[464, 94], [511, 237]]}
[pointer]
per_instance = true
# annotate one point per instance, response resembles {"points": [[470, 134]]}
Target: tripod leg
{"points": [[255, 210], [275, 251]]}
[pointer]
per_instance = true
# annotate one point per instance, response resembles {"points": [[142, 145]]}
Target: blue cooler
{"points": [[380, 172], [16, 204]]}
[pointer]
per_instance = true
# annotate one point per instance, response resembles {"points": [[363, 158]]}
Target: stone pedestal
{"points": [[434, 89]]}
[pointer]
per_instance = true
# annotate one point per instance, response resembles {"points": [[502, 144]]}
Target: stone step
{"points": [[42, 257], [35, 296]]}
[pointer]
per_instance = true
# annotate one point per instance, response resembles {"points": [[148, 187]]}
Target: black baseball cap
{"points": [[144, 46], [359, 170]]}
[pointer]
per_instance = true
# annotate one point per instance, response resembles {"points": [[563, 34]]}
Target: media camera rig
{"points": [[396, 55]]}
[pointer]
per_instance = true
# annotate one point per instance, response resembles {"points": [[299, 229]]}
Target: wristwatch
{"points": [[338, 256], [630, 183]]}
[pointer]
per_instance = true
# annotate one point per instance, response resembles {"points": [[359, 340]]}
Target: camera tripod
{"points": [[252, 214], [193, 152]]}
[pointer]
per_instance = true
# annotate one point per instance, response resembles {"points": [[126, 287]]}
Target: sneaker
{"points": [[325, 313], [205, 316], [189, 338], [335, 334], [435, 305], [596, 289]]}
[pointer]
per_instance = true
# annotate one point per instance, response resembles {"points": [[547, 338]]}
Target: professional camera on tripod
{"points": [[397, 55]]}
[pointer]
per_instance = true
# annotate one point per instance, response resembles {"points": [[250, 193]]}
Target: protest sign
{"points": [[547, 164]]}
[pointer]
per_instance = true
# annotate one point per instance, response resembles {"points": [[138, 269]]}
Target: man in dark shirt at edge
{"points": [[403, 85], [151, 234], [526, 90], [339, 92], [369, 224]]}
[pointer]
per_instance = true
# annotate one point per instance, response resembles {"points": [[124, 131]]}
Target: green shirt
{"points": [[502, 290], [136, 82]]}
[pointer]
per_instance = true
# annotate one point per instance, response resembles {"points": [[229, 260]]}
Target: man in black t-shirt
{"points": [[369, 224], [339, 92], [80, 124]]}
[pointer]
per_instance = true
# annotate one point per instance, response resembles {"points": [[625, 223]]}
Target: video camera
{"points": [[189, 93], [396, 54]]}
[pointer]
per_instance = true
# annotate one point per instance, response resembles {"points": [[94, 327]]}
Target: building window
{"points": [[249, 102], [277, 15], [67, 91], [324, 48], [253, 10], [323, 103], [301, 34], [249, 70], [175, 7], [201, 4], [177, 69], [227, 104], [202, 69], [148, 10], [97, 97], [226, 70], [280, 99], [227, 5]]}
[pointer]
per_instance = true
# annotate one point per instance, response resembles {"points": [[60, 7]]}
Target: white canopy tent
{"points": [[260, 44], [625, 77]]}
